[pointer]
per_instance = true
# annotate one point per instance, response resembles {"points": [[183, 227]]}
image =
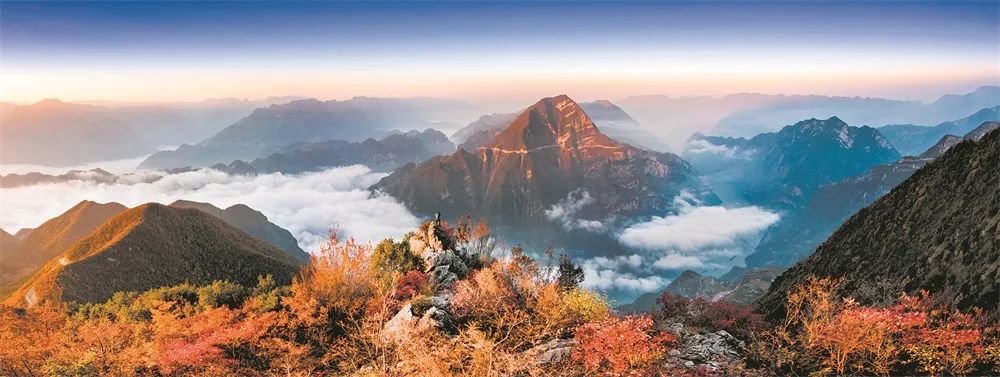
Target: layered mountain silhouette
{"points": [[618, 125], [55, 235], [483, 130], [251, 222], [387, 154], [784, 169], [797, 235], [53, 132], [939, 230], [152, 246], [776, 110], [268, 129], [912, 139], [35, 178], [549, 155]]}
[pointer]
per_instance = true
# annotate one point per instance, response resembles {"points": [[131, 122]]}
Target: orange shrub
{"points": [[620, 345]]}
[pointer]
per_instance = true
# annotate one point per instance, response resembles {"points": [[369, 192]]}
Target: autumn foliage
{"points": [[826, 334], [617, 345], [507, 316]]}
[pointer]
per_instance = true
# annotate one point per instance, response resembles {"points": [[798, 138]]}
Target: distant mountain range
{"points": [[911, 139], [550, 158], [784, 169], [53, 237], [483, 130], [52, 132], [742, 287], [387, 154], [674, 119], [267, 130], [59, 133], [152, 246], [379, 155], [797, 235], [855, 110], [938, 230]]}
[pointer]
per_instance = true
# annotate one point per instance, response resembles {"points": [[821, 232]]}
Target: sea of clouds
{"points": [[308, 205], [709, 239], [706, 239]]}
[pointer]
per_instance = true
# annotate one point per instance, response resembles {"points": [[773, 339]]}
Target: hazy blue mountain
{"points": [[617, 124], [268, 129], [856, 110], [912, 139], [936, 231], [386, 154], [784, 169], [799, 233], [482, 131]]}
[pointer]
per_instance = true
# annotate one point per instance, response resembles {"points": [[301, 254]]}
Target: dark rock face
{"points": [[938, 230], [799, 233], [713, 352], [547, 152]]}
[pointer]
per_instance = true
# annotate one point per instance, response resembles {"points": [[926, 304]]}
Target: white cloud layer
{"points": [[706, 239], [698, 228], [308, 205], [565, 212]]}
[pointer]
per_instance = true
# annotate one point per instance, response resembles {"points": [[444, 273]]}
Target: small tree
{"points": [[570, 275], [390, 257]]}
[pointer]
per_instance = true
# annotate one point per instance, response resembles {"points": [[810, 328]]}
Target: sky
{"points": [[168, 51]]}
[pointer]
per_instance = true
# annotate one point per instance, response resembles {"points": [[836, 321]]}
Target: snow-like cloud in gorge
{"points": [[707, 239], [565, 212], [698, 228], [308, 205]]}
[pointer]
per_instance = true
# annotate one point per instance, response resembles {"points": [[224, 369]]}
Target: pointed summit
{"points": [[554, 121], [550, 153]]}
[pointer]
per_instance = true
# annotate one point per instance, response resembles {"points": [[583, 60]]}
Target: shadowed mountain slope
{"points": [[153, 246], [52, 237], [939, 230], [251, 222]]}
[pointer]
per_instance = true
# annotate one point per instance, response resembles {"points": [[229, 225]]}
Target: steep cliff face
{"points": [[938, 230], [549, 154]]}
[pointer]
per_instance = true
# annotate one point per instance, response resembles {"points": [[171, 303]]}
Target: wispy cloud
{"points": [[565, 212]]}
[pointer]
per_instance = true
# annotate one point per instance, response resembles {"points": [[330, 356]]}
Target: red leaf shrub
{"points": [[410, 285], [620, 344]]}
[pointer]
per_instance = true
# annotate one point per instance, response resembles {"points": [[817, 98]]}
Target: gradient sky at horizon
{"points": [[149, 51]]}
